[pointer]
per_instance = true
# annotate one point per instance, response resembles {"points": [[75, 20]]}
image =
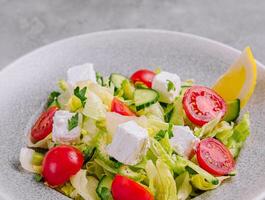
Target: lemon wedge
{"points": [[239, 81]]}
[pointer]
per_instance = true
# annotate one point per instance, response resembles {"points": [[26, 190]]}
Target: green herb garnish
{"points": [[38, 177], [53, 99], [162, 133], [99, 79], [73, 122], [81, 94], [170, 86]]}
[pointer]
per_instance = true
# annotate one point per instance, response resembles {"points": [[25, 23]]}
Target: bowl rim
{"points": [[113, 31]]}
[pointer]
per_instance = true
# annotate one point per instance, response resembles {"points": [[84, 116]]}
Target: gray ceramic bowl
{"points": [[25, 84]]}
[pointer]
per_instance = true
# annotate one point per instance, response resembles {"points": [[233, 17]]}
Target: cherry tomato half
{"points": [[60, 163], [201, 105], [214, 157], [121, 108], [43, 126], [144, 76], [124, 188]]}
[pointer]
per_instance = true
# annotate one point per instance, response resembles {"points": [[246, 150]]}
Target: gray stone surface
{"points": [[29, 24]]}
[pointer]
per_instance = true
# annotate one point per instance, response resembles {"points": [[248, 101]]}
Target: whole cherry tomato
{"points": [[144, 76], [60, 163], [124, 188]]}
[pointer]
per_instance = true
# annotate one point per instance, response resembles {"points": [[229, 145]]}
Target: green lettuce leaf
{"points": [[178, 113], [200, 183], [240, 133], [206, 129], [158, 150], [94, 107], [183, 186], [85, 186], [68, 190], [156, 111], [161, 180]]}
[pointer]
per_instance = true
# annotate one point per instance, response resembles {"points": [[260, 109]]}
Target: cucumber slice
{"points": [[117, 79], [233, 110], [104, 188], [144, 98]]}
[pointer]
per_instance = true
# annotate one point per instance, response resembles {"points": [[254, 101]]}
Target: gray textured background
{"points": [[29, 24]]}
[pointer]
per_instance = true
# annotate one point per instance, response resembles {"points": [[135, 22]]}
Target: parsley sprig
{"points": [[81, 94], [73, 122], [53, 99], [161, 134], [170, 86]]}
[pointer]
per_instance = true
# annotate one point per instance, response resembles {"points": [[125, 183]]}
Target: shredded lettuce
{"points": [[94, 107], [200, 183], [166, 144], [128, 89], [240, 133], [44, 144], [156, 111], [94, 169], [207, 128], [158, 150], [89, 125], [25, 158], [178, 115], [114, 119], [68, 190], [161, 180], [223, 131], [183, 186], [85, 186], [63, 85], [103, 93]]}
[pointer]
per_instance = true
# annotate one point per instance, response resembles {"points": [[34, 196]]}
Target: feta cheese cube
{"points": [[183, 140], [168, 86], [129, 144], [113, 120], [81, 73], [60, 132]]}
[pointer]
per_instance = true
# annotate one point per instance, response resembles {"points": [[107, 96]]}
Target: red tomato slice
{"points": [[124, 188], [60, 163], [144, 76], [121, 108], [201, 105], [43, 126], [214, 157]]}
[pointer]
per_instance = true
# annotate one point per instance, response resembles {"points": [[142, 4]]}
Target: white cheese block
{"points": [[183, 140], [161, 84], [129, 144], [82, 72], [113, 120], [60, 132]]}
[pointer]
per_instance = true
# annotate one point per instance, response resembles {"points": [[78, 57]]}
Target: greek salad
{"points": [[147, 136]]}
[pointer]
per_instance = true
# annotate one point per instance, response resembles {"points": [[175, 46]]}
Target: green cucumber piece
{"points": [[145, 97], [117, 79], [104, 188], [233, 110]]}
